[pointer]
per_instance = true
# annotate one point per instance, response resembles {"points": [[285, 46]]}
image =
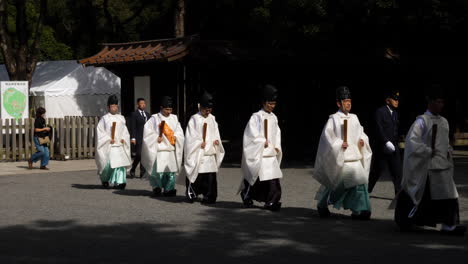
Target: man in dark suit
{"points": [[137, 125], [386, 153]]}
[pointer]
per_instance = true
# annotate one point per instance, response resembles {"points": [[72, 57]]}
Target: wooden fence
{"points": [[73, 138]]}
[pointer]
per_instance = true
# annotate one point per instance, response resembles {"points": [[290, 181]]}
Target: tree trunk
{"points": [[180, 19], [19, 55]]}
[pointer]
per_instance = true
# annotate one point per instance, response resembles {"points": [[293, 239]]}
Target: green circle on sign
{"points": [[14, 102]]}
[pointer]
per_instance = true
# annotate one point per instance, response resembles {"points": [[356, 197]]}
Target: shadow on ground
{"points": [[229, 234]]}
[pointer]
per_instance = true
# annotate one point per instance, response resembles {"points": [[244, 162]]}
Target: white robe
{"points": [[103, 138], [418, 163], [334, 164], [198, 160], [168, 158], [258, 161]]}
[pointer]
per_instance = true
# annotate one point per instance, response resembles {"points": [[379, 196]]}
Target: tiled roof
{"points": [[141, 51]]}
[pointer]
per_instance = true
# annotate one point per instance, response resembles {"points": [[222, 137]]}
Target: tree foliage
{"points": [[75, 29]]}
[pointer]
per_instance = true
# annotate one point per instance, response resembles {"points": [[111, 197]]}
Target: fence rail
{"points": [[72, 138]]}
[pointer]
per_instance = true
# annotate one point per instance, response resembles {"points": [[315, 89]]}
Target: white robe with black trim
{"points": [[198, 160], [418, 164], [258, 161]]}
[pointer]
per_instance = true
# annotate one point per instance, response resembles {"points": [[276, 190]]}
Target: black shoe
{"points": [[157, 191], [458, 231], [105, 185], [207, 200], [273, 206], [364, 215], [121, 186], [248, 202], [132, 174], [170, 193], [323, 212], [189, 200]]}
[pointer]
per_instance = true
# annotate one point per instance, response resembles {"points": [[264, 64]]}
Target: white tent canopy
{"points": [[66, 88]]}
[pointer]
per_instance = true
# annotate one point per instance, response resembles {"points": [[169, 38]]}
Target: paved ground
{"points": [[65, 217]]}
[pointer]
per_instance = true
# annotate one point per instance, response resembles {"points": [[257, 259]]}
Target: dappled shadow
{"points": [[87, 186], [230, 235], [175, 199], [227, 205], [26, 167], [133, 192]]}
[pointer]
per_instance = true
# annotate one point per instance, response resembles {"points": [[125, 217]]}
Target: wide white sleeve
{"points": [[192, 149], [220, 148], [126, 137], [252, 149], [180, 139], [103, 139], [415, 162], [329, 161], [149, 148], [279, 155], [365, 150]]}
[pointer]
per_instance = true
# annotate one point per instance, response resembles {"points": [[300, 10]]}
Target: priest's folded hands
{"points": [[344, 145], [203, 145], [113, 141], [361, 143]]}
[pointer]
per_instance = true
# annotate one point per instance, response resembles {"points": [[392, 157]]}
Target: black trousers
{"points": [[264, 191], [137, 160], [205, 184], [391, 163], [429, 213]]}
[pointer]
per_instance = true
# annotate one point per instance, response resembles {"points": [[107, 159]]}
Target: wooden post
{"points": [[20, 139], [73, 137], [345, 130], [85, 137], [31, 139], [7, 139], [13, 138], [1, 139], [93, 130], [61, 138], [53, 137], [26, 139], [78, 136], [67, 137]]}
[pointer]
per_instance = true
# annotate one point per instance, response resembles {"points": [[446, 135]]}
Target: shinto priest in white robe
{"points": [[260, 163], [200, 162], [429, 195], [163, 161], [343, 173], [112, 160]]}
